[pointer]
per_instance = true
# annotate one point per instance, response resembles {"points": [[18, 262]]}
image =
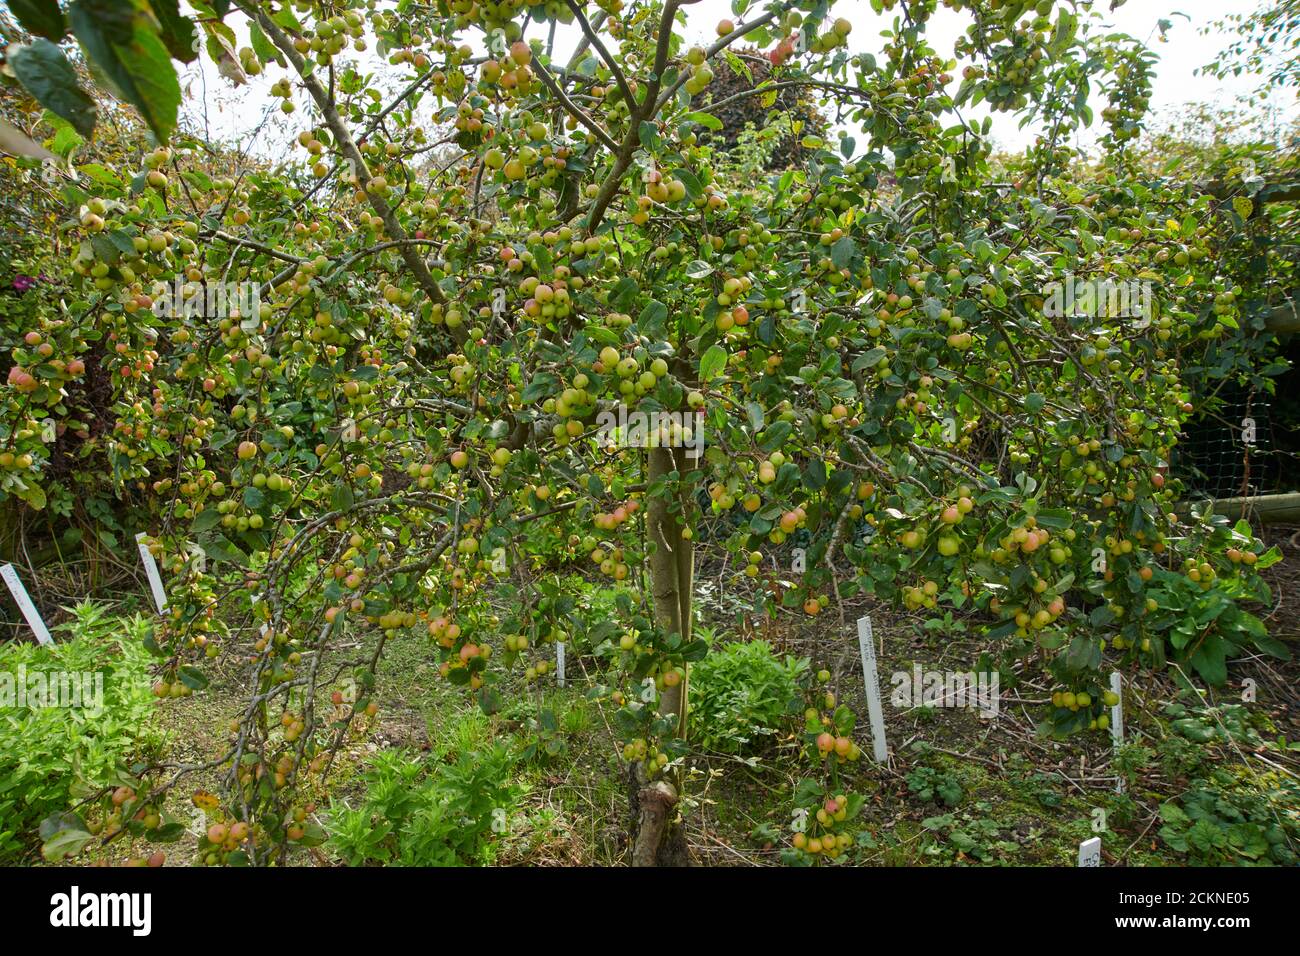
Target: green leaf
{"points": [[167, 833], [192, 677], [206, 520], [1084, 653], [1170, 812], [46, 73], [34, 496], [1210, 660], [341, 497], [713, 362], [178, 33], [1269, 558], [220, 549], [699, 269], [263, 47], [706, 120], [121, 45], [63, 835], [42, 17], [649, 135], [652, 317], [66, 140], [842, 252], [775, 436]]}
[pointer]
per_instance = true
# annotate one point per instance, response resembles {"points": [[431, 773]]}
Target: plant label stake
{"points": [[151, 571], [867, 648], [1117, 721], [1090, 852], [559, 663], [24, 602]]}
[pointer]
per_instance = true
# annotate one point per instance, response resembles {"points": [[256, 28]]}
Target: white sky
{"points": [[235, 113]]}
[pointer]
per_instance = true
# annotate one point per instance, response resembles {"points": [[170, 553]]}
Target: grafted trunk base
{"points": [[659, 842]]}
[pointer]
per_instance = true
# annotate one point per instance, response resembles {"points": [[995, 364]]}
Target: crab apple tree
{"points": [[519, 311]]}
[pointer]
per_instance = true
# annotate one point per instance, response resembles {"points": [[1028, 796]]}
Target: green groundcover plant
{"points": [[51, 757], [418, 811], [743, 696]]}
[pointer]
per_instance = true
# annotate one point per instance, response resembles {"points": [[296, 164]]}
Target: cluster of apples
{"points": [[639, 751], [837, 747], [1075, 701], [1044, 611], [23, 381], [613, 519], [164, 689], [1130, 97], [923, 595], [510, 76], [612, 561], [1017, 52], [820, 838], [1024, 539], [697, 58], [330, 35], [123, 806], [834, 38]]}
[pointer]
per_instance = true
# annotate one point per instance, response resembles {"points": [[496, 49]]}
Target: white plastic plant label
{"points": [[24, 602], [867, 648], [1090, 852], [151, 571]]}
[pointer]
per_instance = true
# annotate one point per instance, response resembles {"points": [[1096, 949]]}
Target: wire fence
{"points": [[1230, 451]]}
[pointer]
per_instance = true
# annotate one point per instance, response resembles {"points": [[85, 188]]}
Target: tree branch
{"points": [[349, 150], [573, 109], [604, 53], [713, 51]]}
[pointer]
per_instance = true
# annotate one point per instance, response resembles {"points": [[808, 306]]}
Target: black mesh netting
{"points": [[1229, 450]]}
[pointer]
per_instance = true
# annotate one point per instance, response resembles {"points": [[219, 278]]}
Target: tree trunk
{"points": [[659, 840]]}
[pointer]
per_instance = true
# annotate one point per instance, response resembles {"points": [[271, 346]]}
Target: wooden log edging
{"points": [[1266, 509]]}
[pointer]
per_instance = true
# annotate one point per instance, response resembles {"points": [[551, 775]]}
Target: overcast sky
{"points": [[234, 114]]}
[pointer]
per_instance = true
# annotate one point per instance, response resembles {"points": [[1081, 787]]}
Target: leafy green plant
{"points": [[419, 812], [1195, 726], [53, 756], [1221, 822], [741, 693], [1205, 625], [1131, 758], [1227, 723], [935, 785], [974, 835]]}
